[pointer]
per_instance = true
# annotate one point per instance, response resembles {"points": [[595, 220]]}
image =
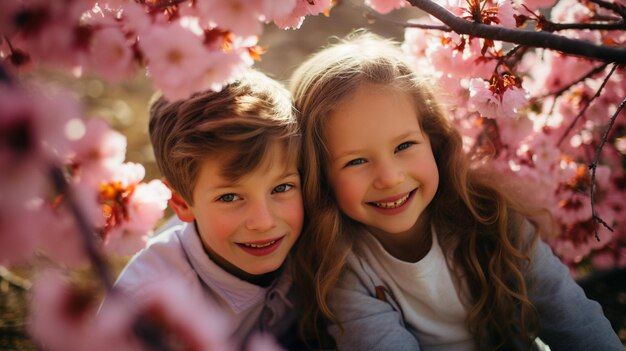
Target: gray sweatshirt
{"points": [[387, 304]]}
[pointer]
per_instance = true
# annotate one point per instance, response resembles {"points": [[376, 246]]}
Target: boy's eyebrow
{"points": [[234, 183]]}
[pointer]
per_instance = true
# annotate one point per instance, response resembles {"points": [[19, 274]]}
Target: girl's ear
{"points": [[179, 205]]}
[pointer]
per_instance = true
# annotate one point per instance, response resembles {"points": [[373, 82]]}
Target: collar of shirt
{"points": [[238, 293]]}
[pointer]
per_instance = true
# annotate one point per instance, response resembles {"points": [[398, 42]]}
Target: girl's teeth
{"points": [[255, 246], [394, 204]]}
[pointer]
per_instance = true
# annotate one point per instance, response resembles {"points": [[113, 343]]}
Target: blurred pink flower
{"points": [[98, 153], [180, 64], [63, 318], [272, 9], [534, 4], [175, 57], [242, 17], [385, 6], [19, 233], [514, 130], [111, 56], [181, 319], [33, 137], [303, 8]]}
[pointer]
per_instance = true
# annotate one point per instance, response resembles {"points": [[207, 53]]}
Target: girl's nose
{"points": [[388, 175], [260, 217]]}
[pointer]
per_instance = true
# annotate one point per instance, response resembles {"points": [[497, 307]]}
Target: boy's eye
{"points": [[404, 146], [228, 198], [282, 188], [356, 161]]}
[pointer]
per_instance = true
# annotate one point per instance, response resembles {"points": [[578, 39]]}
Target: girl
{"points": [[413, 247]]}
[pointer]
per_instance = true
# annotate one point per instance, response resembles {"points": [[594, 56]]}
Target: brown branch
{"points": [[590, 74], [615, 7], [86, 230], [584, 109], [544, 40], [594, 165]]}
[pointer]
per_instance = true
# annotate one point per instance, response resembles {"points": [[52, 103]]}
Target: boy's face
{"points": [[248, 226]]}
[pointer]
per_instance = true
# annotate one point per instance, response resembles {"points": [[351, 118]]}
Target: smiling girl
{"points": [[411, 245]]}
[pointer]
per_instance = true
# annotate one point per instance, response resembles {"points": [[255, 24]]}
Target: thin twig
{"points": [[594, 165], [590, 74], [86, 230], [523, 37], [584, 109], [621, 25]]}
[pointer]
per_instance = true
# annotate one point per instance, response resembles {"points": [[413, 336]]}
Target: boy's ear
{"points": [[179, 205]]}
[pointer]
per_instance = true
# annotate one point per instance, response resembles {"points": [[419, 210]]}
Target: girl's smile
{"points": [[394, 204]]}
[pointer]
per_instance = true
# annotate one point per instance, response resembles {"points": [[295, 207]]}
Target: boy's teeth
{"points": [[255, 246], [394, 204]]}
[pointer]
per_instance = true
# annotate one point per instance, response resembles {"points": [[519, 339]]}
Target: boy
{"points": [[230, 159]]}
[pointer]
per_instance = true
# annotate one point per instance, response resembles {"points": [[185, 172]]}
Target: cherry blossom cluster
{"points": [[43, 133], [541, 114], [186, 46]]}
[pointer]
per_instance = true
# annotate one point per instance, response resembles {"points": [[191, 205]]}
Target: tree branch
{"points": [[621, 25], [615, 7], [523, 37], [590, 74], [98, 261], [594, 165], [582, 111]]}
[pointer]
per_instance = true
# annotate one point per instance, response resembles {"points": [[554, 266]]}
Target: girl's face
{"points": [[381, 166]]}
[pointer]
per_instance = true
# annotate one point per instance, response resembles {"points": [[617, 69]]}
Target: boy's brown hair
{"points": [[238, 124]]}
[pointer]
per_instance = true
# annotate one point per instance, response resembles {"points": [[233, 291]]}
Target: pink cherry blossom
{"points": [[514, 130], [277, 9], [385, 6], [534, 4], [111, 56], [63, 318], [490, 105], [98, 153], [19, 229], [33, 138], [181, 317], [145, 208], [242, 17], [303, 8], [180, 65]]}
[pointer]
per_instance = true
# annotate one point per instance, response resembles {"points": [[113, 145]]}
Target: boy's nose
{"points": [[261, 217], [388, 175]]}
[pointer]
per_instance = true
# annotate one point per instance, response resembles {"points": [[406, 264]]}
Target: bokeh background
{"points": [[125, 106]]}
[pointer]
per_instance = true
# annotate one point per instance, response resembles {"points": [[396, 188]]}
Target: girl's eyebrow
{"points": [[345, 154]]}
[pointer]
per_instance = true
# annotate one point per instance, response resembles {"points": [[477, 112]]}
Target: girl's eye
{"points": [[356, 161], [228, 198], [404, 146], [282, 188]]}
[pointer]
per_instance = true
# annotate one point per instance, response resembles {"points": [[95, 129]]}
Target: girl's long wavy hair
{"points": [[478, 225]]}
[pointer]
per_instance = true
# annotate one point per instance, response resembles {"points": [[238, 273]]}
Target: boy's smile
{"points": [[249, 225], [381, 166]]}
